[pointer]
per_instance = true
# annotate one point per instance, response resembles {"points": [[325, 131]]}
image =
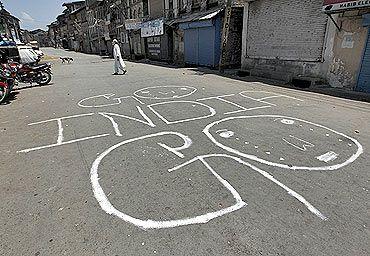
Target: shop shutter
{"points": [[286, 30], [191, 46], [363, 84], [206, 46]]}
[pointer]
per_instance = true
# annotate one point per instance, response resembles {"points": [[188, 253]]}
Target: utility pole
{"points": [[225, 35]]}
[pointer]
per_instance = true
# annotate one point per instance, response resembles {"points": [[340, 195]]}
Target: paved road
{"points": [[166, 161]]}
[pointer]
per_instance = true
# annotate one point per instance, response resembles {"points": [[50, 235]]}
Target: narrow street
{"points": [[175, 161]]}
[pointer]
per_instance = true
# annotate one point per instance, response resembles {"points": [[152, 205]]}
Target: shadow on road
{"points": [[321, 89], [19, 88], [235, 74], [12, 96]]}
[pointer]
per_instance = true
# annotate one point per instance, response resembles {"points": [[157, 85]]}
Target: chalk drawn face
{"points": [[165, 92], [284, 142]]}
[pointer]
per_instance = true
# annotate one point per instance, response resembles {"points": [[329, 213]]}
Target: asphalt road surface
{"points": [[166, 161]]}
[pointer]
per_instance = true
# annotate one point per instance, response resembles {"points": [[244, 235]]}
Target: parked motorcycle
{"points": [[40, 74], [4, 91], [7, 82]]}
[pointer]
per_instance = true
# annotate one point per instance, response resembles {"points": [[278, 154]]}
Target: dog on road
{"points": [[66, 59]]}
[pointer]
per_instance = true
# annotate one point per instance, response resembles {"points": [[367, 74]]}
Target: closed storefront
{"points": [[202, 39], [363, 83], [287, 30], [284, 39], [157, 39], [154, 46], [135, 44], [349, 67]]}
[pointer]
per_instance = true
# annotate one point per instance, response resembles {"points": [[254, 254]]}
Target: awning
{"points": [[200, 16]]}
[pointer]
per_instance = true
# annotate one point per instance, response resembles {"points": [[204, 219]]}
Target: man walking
{"points": [[119, 64]]}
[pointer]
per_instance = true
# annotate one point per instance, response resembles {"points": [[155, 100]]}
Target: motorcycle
{"points": [[7, 82], [40, 74]]}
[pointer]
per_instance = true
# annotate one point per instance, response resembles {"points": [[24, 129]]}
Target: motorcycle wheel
{"points": [[45, 78], [3, 94]]}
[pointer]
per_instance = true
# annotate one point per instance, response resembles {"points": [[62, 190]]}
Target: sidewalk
{"points": [[322, 89]]}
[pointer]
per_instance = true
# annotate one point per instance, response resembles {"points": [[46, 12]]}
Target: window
{"points": [[145, 8]]}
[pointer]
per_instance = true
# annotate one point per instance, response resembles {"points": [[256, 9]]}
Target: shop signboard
{"points": [[331, 6], [133, 24], [152, 28]]}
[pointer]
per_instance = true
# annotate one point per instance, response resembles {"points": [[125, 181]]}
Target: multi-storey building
{"points": [[54, 34], [96, 12], [302, 43], [9, 26], [79, 30], [197, 29]]}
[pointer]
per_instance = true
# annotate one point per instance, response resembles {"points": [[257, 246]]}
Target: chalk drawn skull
{"points": [[285, 142], [165, 92]]}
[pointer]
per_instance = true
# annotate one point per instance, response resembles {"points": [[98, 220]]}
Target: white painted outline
{"points": [[63, 143], [106, 96], [305, 145], [241, 108], [275, 95], [291, 192], [60, 133], [211, 110], [152, 224], [327, 157], [255, 158], [61, 118], [147, 121], [126, 97], [193, 90]]}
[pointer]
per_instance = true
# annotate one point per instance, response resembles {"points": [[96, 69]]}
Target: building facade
{"points": [[284, 41], [9, 26], [349, 45], [308, 43], [305, 42]]}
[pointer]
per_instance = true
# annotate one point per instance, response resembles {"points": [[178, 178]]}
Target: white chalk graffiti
{"points": [[211, 110], [60, 139], [110, 116], [108, 98], [240, 108], [153, 224], [246, 134], [300, 198], [165, 92], [274, 140], [267, 95], [298, 143]]}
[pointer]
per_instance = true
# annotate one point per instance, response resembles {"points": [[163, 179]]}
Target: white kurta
{"points": [[119, 64]]}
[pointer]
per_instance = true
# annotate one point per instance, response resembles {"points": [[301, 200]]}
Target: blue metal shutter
{"points": [[191, 46], [363, 84], [206, 46]]}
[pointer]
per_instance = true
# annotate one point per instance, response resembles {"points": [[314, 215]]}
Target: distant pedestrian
{"points": [[119, 64]]}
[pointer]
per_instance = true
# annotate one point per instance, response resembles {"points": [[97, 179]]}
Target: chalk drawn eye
{"points": [[145, 92], [184, 89], [287, 121], [226, 134]]}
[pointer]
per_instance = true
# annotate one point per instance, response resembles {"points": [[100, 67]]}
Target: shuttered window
{"points": [[286, 30]]}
